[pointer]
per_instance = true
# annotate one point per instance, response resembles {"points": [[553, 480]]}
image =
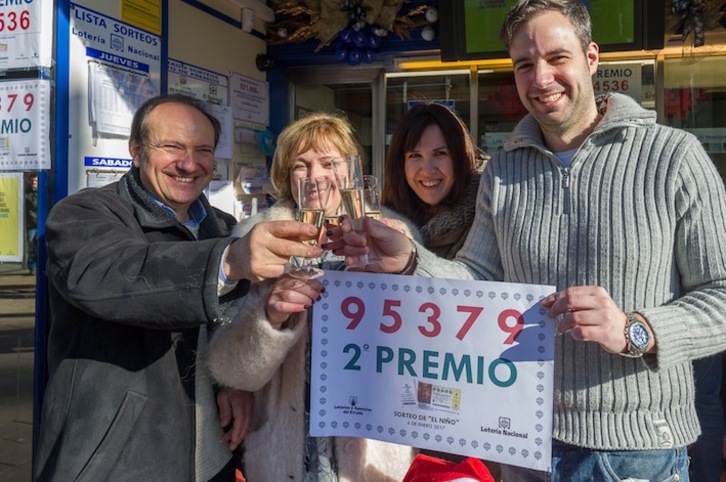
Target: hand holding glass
{"points": [[313, 194]]}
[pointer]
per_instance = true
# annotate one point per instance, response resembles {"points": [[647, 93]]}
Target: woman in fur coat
{"points": [[432, 176], [266, 349]]}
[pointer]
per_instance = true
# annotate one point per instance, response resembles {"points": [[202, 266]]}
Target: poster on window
{"points": [[21, 43], [211, 87], [193, 81], [249, 99], [463, 367], [620, 78], [11, 217], [24, 125], [114, 67]]}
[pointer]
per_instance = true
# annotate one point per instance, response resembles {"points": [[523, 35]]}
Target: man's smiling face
{"points": [[176, 161]]}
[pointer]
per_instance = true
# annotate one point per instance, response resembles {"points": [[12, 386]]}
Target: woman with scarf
{"points": [[432, 176]]}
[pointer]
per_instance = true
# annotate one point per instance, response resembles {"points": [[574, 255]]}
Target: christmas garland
{"points": [[696, 16], [358, 26]]}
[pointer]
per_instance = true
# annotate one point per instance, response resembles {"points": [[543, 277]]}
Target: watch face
{"points": [[639, 336]]}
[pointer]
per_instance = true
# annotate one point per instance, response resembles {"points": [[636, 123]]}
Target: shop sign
{"points": [[620, 78]]}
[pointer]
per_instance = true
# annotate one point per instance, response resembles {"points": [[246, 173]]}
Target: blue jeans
{"points": [[706, 463], [32, 247], [576, 464]]}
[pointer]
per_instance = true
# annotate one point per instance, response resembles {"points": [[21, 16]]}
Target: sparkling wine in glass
{"points": [[313, 195], [333, 220], [316, 218], [351, 184], [372, 197]]}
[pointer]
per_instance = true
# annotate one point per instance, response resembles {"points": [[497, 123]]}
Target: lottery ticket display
{"points": [[457, 366]]}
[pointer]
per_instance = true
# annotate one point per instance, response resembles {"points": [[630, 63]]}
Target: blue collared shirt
{"points": [[197, 214]]}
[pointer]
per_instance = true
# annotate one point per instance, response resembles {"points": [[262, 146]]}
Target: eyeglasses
{"points": [[203, 153]]}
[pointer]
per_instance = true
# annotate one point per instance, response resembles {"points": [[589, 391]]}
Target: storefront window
{"points": [[450, 88], [499, 109], [695, 100], [694, 97]]}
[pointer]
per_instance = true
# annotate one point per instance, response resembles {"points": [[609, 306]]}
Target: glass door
{"points": [[352, 92], [403, 90], [695, 100]]}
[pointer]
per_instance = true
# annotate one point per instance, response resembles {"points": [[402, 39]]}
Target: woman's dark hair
{"points": [[397, 194]]}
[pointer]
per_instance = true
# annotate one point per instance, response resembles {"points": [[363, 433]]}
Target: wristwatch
{"points": [[637, 336]]}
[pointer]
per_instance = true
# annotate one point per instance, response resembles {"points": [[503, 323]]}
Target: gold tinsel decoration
{"points": [[693, 18], [324, 19]]}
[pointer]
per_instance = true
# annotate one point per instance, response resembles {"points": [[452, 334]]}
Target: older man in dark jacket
{"points": [[139, 271]]}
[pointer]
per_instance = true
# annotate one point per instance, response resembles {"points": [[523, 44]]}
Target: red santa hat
{"points": [[431, 469]]}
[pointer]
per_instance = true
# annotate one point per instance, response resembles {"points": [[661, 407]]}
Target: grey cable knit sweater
{"points": [[640, 212]]}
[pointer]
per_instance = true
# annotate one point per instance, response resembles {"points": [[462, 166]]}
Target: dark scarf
{"points": [[452, 220]]}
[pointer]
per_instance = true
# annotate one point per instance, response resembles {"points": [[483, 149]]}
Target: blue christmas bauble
{"points": [[369, 56], [374, 41], [346, 35], [354, 57], [360, 39], [341, 52]]}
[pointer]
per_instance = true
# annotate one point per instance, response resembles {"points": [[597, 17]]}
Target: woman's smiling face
{"points": [[313, 163], [429, 168]]}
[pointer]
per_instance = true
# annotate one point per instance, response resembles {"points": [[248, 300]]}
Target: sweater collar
{"points": [[616, 109]]}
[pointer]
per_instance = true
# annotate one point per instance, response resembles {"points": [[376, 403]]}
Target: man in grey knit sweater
{"points": [[626, 217]]}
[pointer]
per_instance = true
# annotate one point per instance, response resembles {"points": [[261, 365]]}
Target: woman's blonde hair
{"points": [[319, 131]]}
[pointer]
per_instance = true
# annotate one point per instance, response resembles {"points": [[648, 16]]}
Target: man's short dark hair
{"points": [[140, 128], [525, 10]]}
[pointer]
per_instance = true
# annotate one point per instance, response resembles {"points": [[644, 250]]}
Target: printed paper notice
{"points": [[24, 125], [193, 81], [11, 217], [145, 14], [463, 367], [22, 43], [249, 99]]}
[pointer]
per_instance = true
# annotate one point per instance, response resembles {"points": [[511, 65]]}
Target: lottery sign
{"points": [[249, 99], [22, 44], [620, 78], [457, 366], [24, 124]]}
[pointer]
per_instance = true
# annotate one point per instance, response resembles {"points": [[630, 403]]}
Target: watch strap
{"points": [[631, 349]]}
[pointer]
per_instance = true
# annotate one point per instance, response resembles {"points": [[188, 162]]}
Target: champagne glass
{"points": [[333, 220], [372, 197], [351, 184], [313, 194]]}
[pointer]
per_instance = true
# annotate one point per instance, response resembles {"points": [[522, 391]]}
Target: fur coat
{"points": [[250, 354]]}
